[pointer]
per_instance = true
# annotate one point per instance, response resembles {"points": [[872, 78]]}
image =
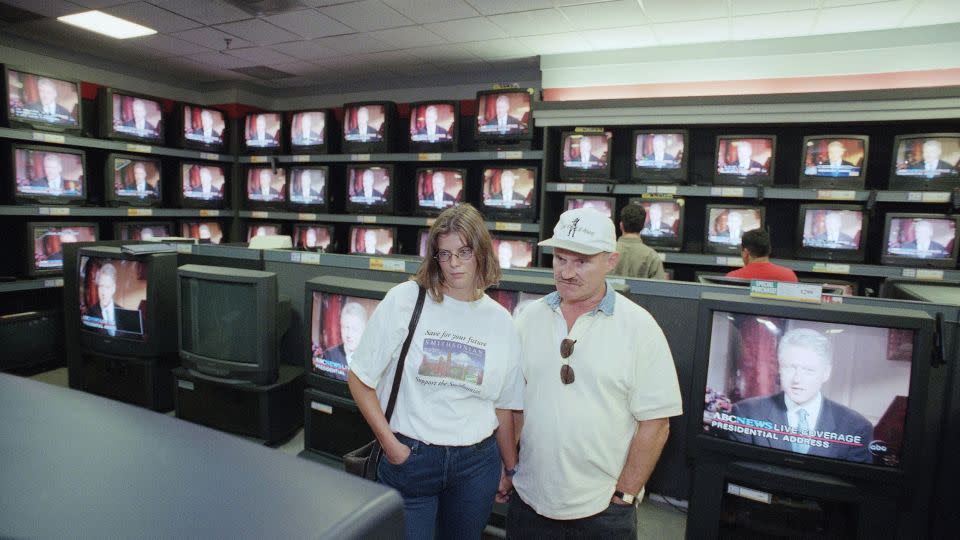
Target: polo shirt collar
{"points": [[605, 306]]}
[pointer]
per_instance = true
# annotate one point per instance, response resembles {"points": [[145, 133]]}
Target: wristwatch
{"points": [[628, 498], [510, 472]]}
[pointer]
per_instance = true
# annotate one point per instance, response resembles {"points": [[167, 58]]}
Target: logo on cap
{"points": [[572, 229]]}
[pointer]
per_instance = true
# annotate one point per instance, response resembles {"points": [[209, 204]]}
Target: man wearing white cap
{"points": [[601, 386]]}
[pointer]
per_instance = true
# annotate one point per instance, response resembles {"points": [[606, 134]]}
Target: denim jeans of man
{"points": [[447, 489], [617, 522]]}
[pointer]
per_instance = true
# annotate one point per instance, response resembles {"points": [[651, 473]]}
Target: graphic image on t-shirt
{"points": [[452, 362]]}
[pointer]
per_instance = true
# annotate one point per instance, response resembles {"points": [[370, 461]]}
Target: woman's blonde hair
{"points": [[466, 221]]}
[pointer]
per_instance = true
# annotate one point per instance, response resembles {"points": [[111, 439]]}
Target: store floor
{"points": [[655, 518]]}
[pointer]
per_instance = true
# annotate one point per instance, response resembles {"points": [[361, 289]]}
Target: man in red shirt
{"points": [[755, 250]]}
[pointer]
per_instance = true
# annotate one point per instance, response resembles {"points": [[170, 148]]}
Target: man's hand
{"points": [[505, 488]]}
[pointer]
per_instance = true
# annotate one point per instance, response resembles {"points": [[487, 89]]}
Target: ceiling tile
{"points": [[220, 60], [170, 45], [475, 29], [367, 15], [258, 31], [929, 12], [299, 67], [306, 50], [465, 67], [99, 4], [407, 37], [49, 8], [450, 52], [879, 16], [151, 16], [493, 7], [620, 38], [606, 15], [692, 32], [309, 23], [563, 3], [261, 55], [565, 42], [495, 49], [205, 11], [531, 23], [756, 7], [687, 10], [837, 3], [355, 44], [772, 25], [211, 38], [427, 11]]}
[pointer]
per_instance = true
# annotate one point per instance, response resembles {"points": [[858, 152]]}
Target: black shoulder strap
{"points": [[403, 352]]}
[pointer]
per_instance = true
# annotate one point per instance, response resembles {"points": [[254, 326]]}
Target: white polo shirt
{"points": [[576, 437]]}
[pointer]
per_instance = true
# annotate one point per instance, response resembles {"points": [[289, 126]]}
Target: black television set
{"points": [[834, 161], [509, 193], [438, 188], [203, 184], [133, 180], [130, 117], [143, 230], [924, 240], [262, 133], [514, 251], [38, 101], [726, 223], [127, 302], [204, 232], [263, 228], [660, 155], [605, 205], [308, 188], [266, 188], [434, 126], [337, 312], [230, 323], [926, 161], [515, 292], [45, 240], [369, 189], [314, 237], [369, 127], [786, 384], [309, 131], [745, 160], [585, 155], [48, 174], [663, 225], [372, 240], [503, 118], [200, 128], [832, 232]]}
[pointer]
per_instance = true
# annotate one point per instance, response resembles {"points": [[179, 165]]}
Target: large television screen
{"points": [[368, 188], [921, 239], [726, 224], [308, 186], [261, 131], [308, 129], [143, 231], [364, 123], [829, 228], [113, 296], [438, 189], [48, 240], [663, 224], [205, 232], [203, 127], [263, 229], [136, 179], [514, 252], [433, 123], [585, 155], [604, 205], [202, 181], [659, 155], [503, 114], [372, 240], [266, 186], [926, 158], [834, 161], [337, 324], [138, 117], [746, 159], [312, 237], [509, 188], [42, 102], [825, 389], [49, 174]]}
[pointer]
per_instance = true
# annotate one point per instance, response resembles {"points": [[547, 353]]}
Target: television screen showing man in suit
{"points": [[604, 206], [934, 157], [308, 186], [49, 100], [262, 229], [364, 123], [136, 231], [308, 128], [48, 173], [509, 188], [586, 151], [262, 130], [832, 229], [138, 178], [662, 218], [113, 296], [833, 157], [504, 114], [48, 244], [513, 253], [439, 188], [137, 116], [313, 237], [659, 150], [266, 185], [432, 123], [205, 232], [820, 389], [203, 125], [202, 181], [368, 185], [744, 157], [922, 238], [371, 240], [337, 324], [727, 225]]}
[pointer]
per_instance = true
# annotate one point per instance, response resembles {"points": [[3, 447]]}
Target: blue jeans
{"points": [[447, 489], [617, 522]]}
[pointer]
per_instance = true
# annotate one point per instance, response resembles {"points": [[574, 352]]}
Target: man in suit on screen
{"points": [[368, 195], [655, 225], [507, 196], [439, 197], [805, 361], [106, 313], [139, 120], [503, 122], [660, 157], [48, 106], [931, 163], [306, 135], [353, 321], [307, 193], [265, 191], [206, 132], [52, 179], [364, 131], [923, 242], [431, 132], [833, 236]]}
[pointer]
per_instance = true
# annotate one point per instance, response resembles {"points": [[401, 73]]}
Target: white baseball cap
{"points": [[585, 231]]}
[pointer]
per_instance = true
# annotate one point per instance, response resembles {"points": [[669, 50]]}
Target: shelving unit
{"points": [[397, 158], [96, 211], [101, 144]]}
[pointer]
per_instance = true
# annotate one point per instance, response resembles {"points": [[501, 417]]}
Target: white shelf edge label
{"points": [[139, 212], [571, 188], [184, 248], [366, 219], [731, 192], [665, 190], [831, 268], [747, 493], [730, 261], [321, 407], [360, 157], [510, 154], [145, 148], [209, 213], [307, 217], [259, 214], [310, 258], [258, 159], [935, 197], [391, 265], [301, 159], [423, 156], [53, 211], [926, 273], [208, 155], [781, 290], [505, 226], [50, 283], [49, 137]]}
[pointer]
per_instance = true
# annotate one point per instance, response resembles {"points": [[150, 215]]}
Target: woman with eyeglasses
{"points": [[449, 447]]}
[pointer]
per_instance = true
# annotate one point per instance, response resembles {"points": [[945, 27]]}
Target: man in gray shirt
{"points": [[636, 258]]}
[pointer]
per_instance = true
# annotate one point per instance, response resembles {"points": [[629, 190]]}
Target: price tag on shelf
{"points": [[914, 196], [144, 212], [258, 159], [836, 194], [310, 258], [209, 213], [366, 219], [429, 157], [504, 226], [731, 192], [662, 190], [391, 265], [295, 256], [935, 197], [53, 211], [302, 158], [186, 249], [716, 192], [145, 148], [571, 188], [321, 407], [259, 214], [49, 137], [730, 261], [926, 273], [208, 155], [510, 154], [831, 268], [781, 290], [360, 157], [307, 217], [51, 283]]}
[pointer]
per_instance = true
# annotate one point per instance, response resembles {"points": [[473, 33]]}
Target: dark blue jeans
{"points": [[447, 489], [617, 522]]}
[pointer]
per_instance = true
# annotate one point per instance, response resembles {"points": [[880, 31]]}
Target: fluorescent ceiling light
{"points": [[108, 25]]}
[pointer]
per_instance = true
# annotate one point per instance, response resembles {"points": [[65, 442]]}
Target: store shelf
{"points": [[393, 263], [398, 158], [94, 211], [41, 137], [500, 226], [31, 284]]}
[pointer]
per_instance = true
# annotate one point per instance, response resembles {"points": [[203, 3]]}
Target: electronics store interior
{"points": [[203, 204]]}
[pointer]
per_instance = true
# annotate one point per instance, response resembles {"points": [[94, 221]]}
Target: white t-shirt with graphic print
{"points": [[463, 363]]}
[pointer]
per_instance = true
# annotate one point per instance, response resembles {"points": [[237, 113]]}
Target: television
{"points": [[127, 302], [423, 236], [337, 311], [438, 188], [926, 240], [202, 184], [262, 132], [663, 225], [861, 371], [308, 131], [205, 232], [308, 188], [585, 155], [262, 228], [515, 292], [834, 161], [132, 180], [509, 193], [266, 188], [926, 161], [369, 127], [201, 128], [367, 240], [314, 237], [36, 101], [514, 251], [130, 117], [660, 155], [434, 126], [832, 232], [48, 175], [745, 160], [605, 205], [726, 223], [142, 230], [503, 118], [230, 322], [45, 244], [369, 189]]}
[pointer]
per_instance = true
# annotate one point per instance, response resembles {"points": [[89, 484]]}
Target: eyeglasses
{"points": [[464, 254], [566, 371]]}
